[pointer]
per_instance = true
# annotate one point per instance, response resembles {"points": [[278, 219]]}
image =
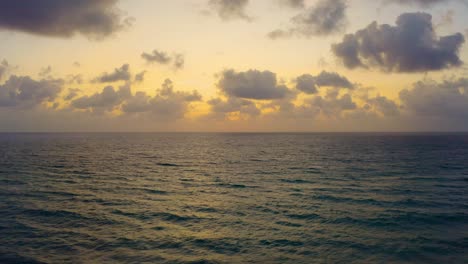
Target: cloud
{"points": [[156, 57], [45, 72], [410, 46], [293, 3], [422, 3], [119, 74], [75, 78], [24, 92], [5, 67], [161, 57], [166, 104], [72, 93], [140, 77], [179, 61], [230, 9], [332, 106], [325, 18], [106, 100], [221, 108], [447, 99], [310, 84], [56, 18], [252, 84], [383, 105]]}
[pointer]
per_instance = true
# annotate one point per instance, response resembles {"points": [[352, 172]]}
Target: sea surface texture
{"points": [[233, 198]]}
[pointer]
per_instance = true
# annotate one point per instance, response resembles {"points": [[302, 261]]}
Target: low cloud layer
{"points": [[57, 18], [24, 92], [168, 104], [102, 101], [230, 9], [326, 17], [410, 46], [252, 84], [447, 99]]}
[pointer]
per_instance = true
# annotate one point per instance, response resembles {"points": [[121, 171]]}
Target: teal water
{"points": [[233, 198]]}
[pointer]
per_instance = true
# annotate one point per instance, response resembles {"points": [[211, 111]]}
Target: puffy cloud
{"points": [[244, 107], [306, 83], [161, 57], [166, 104], [332, 106], [156, 56], [310, 84], [383, 105], [252, 84], [107, 100], [447, 99], [119, 74], [410, 46], [57, 18], [230, 9], [325, 18], [24, 92]]}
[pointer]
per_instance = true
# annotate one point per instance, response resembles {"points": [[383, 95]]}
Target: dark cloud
{"points": [[24, 92], [448, 99], [58, 18], [119, 74], [310, 84], [325, 18], [230, 9], [161, 57], [410, 46], [306, 83], [252, 84]]}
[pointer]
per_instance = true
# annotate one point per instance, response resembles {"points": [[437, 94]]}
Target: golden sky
{"points": [[227, 72]]}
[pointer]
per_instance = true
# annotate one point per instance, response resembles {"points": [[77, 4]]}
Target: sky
{"points": [[233, 65]]}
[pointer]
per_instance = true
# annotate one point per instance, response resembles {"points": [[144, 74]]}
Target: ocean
{"points": [[233, 198]]}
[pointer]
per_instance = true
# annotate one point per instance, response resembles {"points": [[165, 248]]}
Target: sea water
{"points": [[233, 198]]}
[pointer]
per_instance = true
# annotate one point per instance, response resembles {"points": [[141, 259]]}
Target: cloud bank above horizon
{"points": [[115, 81]]}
